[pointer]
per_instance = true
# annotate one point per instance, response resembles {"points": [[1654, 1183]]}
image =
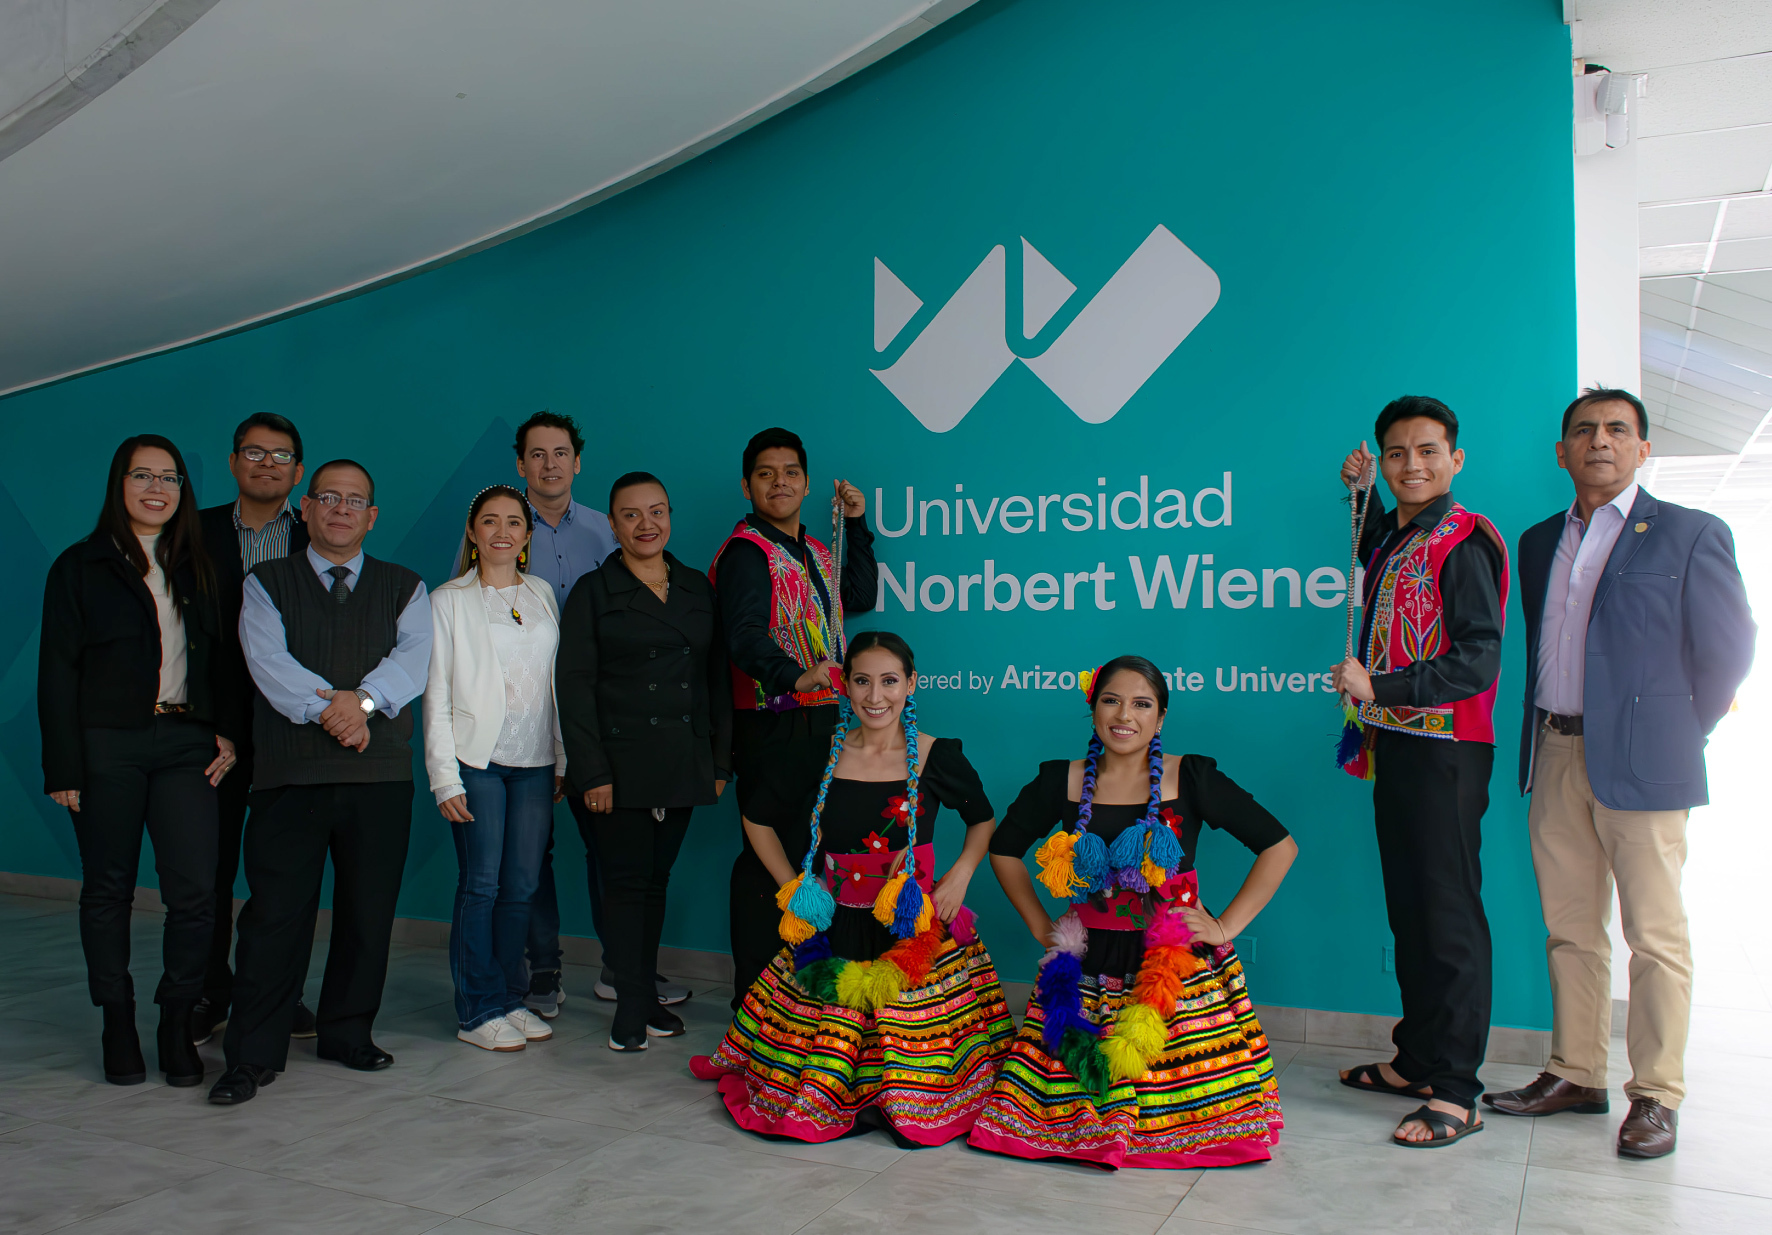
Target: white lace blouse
{"points": [[526, 655]]}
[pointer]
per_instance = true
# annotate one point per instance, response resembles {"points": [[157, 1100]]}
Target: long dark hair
{"points": [[470, 558], [181, 537]]}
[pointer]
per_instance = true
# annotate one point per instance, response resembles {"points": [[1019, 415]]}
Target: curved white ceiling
{"points": [[275, 155]]}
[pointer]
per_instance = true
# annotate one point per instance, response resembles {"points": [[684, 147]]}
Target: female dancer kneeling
{"points": [[1140, 1046], [884, 1007]]}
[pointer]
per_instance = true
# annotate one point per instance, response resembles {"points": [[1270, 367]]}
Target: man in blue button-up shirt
{"points": [[570, 541]]}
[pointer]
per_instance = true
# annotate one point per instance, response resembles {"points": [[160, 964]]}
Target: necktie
{"points": [[339, 574]]}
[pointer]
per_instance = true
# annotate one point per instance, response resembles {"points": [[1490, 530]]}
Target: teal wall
{"points": [[1381, 221]]}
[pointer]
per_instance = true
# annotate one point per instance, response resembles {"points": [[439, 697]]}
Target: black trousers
{"points": [[152, 776], [636, 852], [1428, 801], [231, 799], [292, 830], [780, 755]]}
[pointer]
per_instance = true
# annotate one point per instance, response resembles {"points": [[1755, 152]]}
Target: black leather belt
{"points": [[1568, 726]]}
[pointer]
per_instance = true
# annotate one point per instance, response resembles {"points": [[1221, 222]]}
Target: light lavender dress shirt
{"points": [[1569, 601]]}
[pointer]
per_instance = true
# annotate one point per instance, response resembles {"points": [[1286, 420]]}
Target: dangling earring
{"points": [[523, 559], [473, 555]]}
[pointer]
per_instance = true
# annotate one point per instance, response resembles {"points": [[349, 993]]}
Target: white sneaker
{"points": [[531, 1026], [497, 1034]]}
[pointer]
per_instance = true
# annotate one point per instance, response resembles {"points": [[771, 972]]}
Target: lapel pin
{"points": [[1642, 527]]}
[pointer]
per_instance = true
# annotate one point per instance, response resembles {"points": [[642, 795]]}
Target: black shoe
{"points": [[304, 1025], [630, 1032], [208, 1016], [366, 1058], [178, 1054], [124, 1064], [663, 1023], [240, 1084]]}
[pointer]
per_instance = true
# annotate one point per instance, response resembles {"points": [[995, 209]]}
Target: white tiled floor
{"points": [[568, 1136]]}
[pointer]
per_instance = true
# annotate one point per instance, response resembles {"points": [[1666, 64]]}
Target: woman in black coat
{"points": [[137, 699], [646, 713]]}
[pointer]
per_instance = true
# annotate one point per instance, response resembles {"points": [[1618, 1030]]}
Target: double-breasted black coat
{"points": [[644, 691]]}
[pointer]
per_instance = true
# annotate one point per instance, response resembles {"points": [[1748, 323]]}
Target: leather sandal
{"points": [[1369, 1078], [1445, 1128]]}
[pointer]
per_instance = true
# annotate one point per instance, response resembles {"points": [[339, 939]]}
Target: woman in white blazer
{"points": [[494, 756]]}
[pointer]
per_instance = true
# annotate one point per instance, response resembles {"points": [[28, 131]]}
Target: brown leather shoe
{"points": [[1547, 1096], [1648, 1131]]}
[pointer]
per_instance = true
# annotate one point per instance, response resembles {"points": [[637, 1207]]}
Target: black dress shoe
{"points": [[124, 1064], [178, 1054], [240, 1084], [366, 1058], [208, 1016], [304, 1025]]}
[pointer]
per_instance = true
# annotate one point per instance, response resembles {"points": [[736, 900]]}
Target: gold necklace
{"points": [[660, 587]]}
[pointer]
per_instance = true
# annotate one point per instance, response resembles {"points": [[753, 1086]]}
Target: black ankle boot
{"points": [[124, 1064], [178, 1054]]}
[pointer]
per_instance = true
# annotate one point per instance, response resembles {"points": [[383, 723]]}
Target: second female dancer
{"points": [[885, 1007], [1140, 1047]]}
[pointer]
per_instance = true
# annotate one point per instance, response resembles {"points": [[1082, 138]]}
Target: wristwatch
{"points": [[365, 702]]}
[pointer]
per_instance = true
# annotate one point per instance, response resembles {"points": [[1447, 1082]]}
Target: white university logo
{"points": [[1098, 362]]}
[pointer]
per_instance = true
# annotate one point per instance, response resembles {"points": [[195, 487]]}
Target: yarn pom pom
{"points": [[1163, 976], [794, 929], [886, 903], [1165, 848], [1132, 879], [813, 950], [811, 902], [1138, 1038], [913, 911], [1128, 847], [964, 927], [852, 985], [1090, 862], [925, 917], [1082, 1056], [880, 983], [915, 957], [1154, 876], [1056, 859], [1056, 991], [1070, 935], [819, 979], [1168, 929], [785, 893]]}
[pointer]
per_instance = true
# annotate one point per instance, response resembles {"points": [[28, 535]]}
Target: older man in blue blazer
{"points": [[1637, 634]]}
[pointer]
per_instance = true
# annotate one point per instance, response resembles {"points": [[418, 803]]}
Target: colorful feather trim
{"points": [[867, 986]]}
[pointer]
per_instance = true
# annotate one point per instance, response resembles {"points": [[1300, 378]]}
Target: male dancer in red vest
{"points": [[1430, 658], [776, 589]]}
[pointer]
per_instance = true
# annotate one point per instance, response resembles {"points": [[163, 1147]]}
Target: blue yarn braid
{"points": [[812, 900], [910, 897], [1089, 857], [1165, 847]]}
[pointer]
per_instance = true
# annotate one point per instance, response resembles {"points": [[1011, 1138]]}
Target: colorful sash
{"points": [[797, 620], [1408, 625]]}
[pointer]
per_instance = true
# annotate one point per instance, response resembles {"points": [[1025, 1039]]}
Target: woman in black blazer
{"points": [[646, 713], [138, 702]]}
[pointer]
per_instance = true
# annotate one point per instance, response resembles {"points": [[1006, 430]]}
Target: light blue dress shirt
{"points": [[563, 554], [290, 686]]}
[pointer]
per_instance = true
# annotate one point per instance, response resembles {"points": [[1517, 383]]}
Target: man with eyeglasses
{"points": [[338, 643], [255, 527]]}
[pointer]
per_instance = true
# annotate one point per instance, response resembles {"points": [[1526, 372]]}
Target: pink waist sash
{"points": [[855, 879], [1123, 908]]}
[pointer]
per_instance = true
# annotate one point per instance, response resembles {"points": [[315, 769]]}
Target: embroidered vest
{"points": [[1408, 625], [797, 620]]}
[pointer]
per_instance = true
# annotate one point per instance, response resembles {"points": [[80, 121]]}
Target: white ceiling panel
{"points": [[274, 155], [1716, 94], [1658, 226], [1747, 218], [1674, 259], [1688, 165], [1646, 34], [1743, 255]]}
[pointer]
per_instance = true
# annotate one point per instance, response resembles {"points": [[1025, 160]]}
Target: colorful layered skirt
{"points": [[1208, 1098], [794, 1065]]}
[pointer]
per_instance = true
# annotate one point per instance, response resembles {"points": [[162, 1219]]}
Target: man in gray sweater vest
{"points": [[338, 644]]}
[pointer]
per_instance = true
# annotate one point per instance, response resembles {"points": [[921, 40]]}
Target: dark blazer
{"points": [[1669, 638], [98, 665], [223, 543], [644, 691]]}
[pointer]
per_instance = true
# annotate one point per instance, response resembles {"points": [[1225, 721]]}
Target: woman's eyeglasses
{"points": [[145, 480], [329, 499], [258, 454]]}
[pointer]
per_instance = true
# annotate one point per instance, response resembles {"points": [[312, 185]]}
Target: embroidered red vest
{"points": [[797, 620], [1408, 625]]}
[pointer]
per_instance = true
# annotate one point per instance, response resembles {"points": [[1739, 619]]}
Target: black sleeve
{"points": [[860, 584], [1379, 522], [228, 680], [575, 690], [58, 677], [1038, 806], [1470, 589], [741, 581], [950, 776], [1220, 802], [719, 671]]}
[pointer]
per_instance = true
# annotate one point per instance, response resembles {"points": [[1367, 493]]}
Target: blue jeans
{"points": [[544, 914], [500, 854]]}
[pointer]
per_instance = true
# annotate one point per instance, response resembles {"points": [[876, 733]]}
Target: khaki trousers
{"points": [[1578, 848]]}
